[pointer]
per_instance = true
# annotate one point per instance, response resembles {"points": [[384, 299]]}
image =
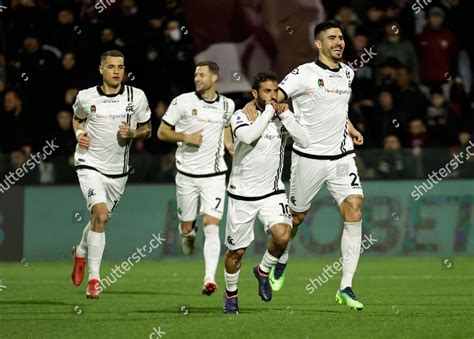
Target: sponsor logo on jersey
{"points": [[93, 109], [338, 91], [320, 82], [110, 101]]}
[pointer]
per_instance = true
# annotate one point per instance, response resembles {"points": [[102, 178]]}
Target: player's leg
{"points": [[275, 215], [307, 177], [344, 185], [212, 206], [238, 236], [187, 195], [92, 187], [232, 263]]}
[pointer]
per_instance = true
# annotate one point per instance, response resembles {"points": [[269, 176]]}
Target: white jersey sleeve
{"points": [[297, 132], [78, 108], [174, 113], [293, 84], [250, 133], [143, 109]]}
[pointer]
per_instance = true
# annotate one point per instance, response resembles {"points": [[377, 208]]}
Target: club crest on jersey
{"points": [[93, 109], [129, 108], [320, 82], [194, 112]]}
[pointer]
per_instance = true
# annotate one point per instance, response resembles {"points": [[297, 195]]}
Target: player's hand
{"points": [[125, 132], [230, 148], [193, 138], [250, 111], [357, 137], [280, 108], [84, 141]]}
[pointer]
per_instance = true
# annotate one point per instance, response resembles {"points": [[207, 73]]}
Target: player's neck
{"points": [[209, 95], [331, 63], [110, 90]]}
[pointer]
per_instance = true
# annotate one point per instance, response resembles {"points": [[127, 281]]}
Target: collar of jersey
{"points": [[101, 92], [324, 66], [206, 101]]}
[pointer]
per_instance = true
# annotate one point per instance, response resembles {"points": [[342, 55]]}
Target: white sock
{"points": [[212, 250], [284, 257], [231, 280], [268, 261], [81, 249], [350, 249], [96, 245]]}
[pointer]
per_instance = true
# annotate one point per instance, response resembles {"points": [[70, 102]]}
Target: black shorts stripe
{"points": [[201, 175], [79, 167], [166, 123], [323, 157], [239, 197]]}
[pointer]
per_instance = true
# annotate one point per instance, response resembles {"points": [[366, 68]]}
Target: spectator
{"points": [[63, 158], [395, 46], [177, 55], [440, 119], [394, 163], [374, 22], [409, 100], [437, 50], [16, 127]]}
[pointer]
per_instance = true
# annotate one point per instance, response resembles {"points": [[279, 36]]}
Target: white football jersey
{"points": [[256, 167], [320, 98], [189, 113], [105, 113]]}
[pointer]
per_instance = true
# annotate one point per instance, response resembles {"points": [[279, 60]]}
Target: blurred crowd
{"points": [[412, 92]]}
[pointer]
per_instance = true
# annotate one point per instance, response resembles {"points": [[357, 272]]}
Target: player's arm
{"points": [[250, 133], [143, 131], [357, 137], [297, 132], [228, 140], [78, 124], [250, 109], [167, 133]]}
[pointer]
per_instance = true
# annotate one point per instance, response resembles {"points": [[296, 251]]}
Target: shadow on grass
{"points": [[143, 293]]}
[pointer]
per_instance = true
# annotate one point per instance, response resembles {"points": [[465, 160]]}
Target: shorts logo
{"points": [[320, 82], [295, 71], [194, 112], [230, 240], [90, 193], [293, 200], [93, 109], [179, 211]]}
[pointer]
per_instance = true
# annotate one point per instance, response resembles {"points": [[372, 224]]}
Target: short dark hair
{"points": [[262, 77], [324, 26], [111, 53], [213, 67]]}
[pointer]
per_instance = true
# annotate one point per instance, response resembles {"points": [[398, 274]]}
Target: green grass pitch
{"points": [[403, 297]]}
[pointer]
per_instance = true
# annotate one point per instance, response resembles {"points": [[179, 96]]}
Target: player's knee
{"points": [[281, 235], [298, 218], [186, 227], [101, 217], [352, 209]]}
